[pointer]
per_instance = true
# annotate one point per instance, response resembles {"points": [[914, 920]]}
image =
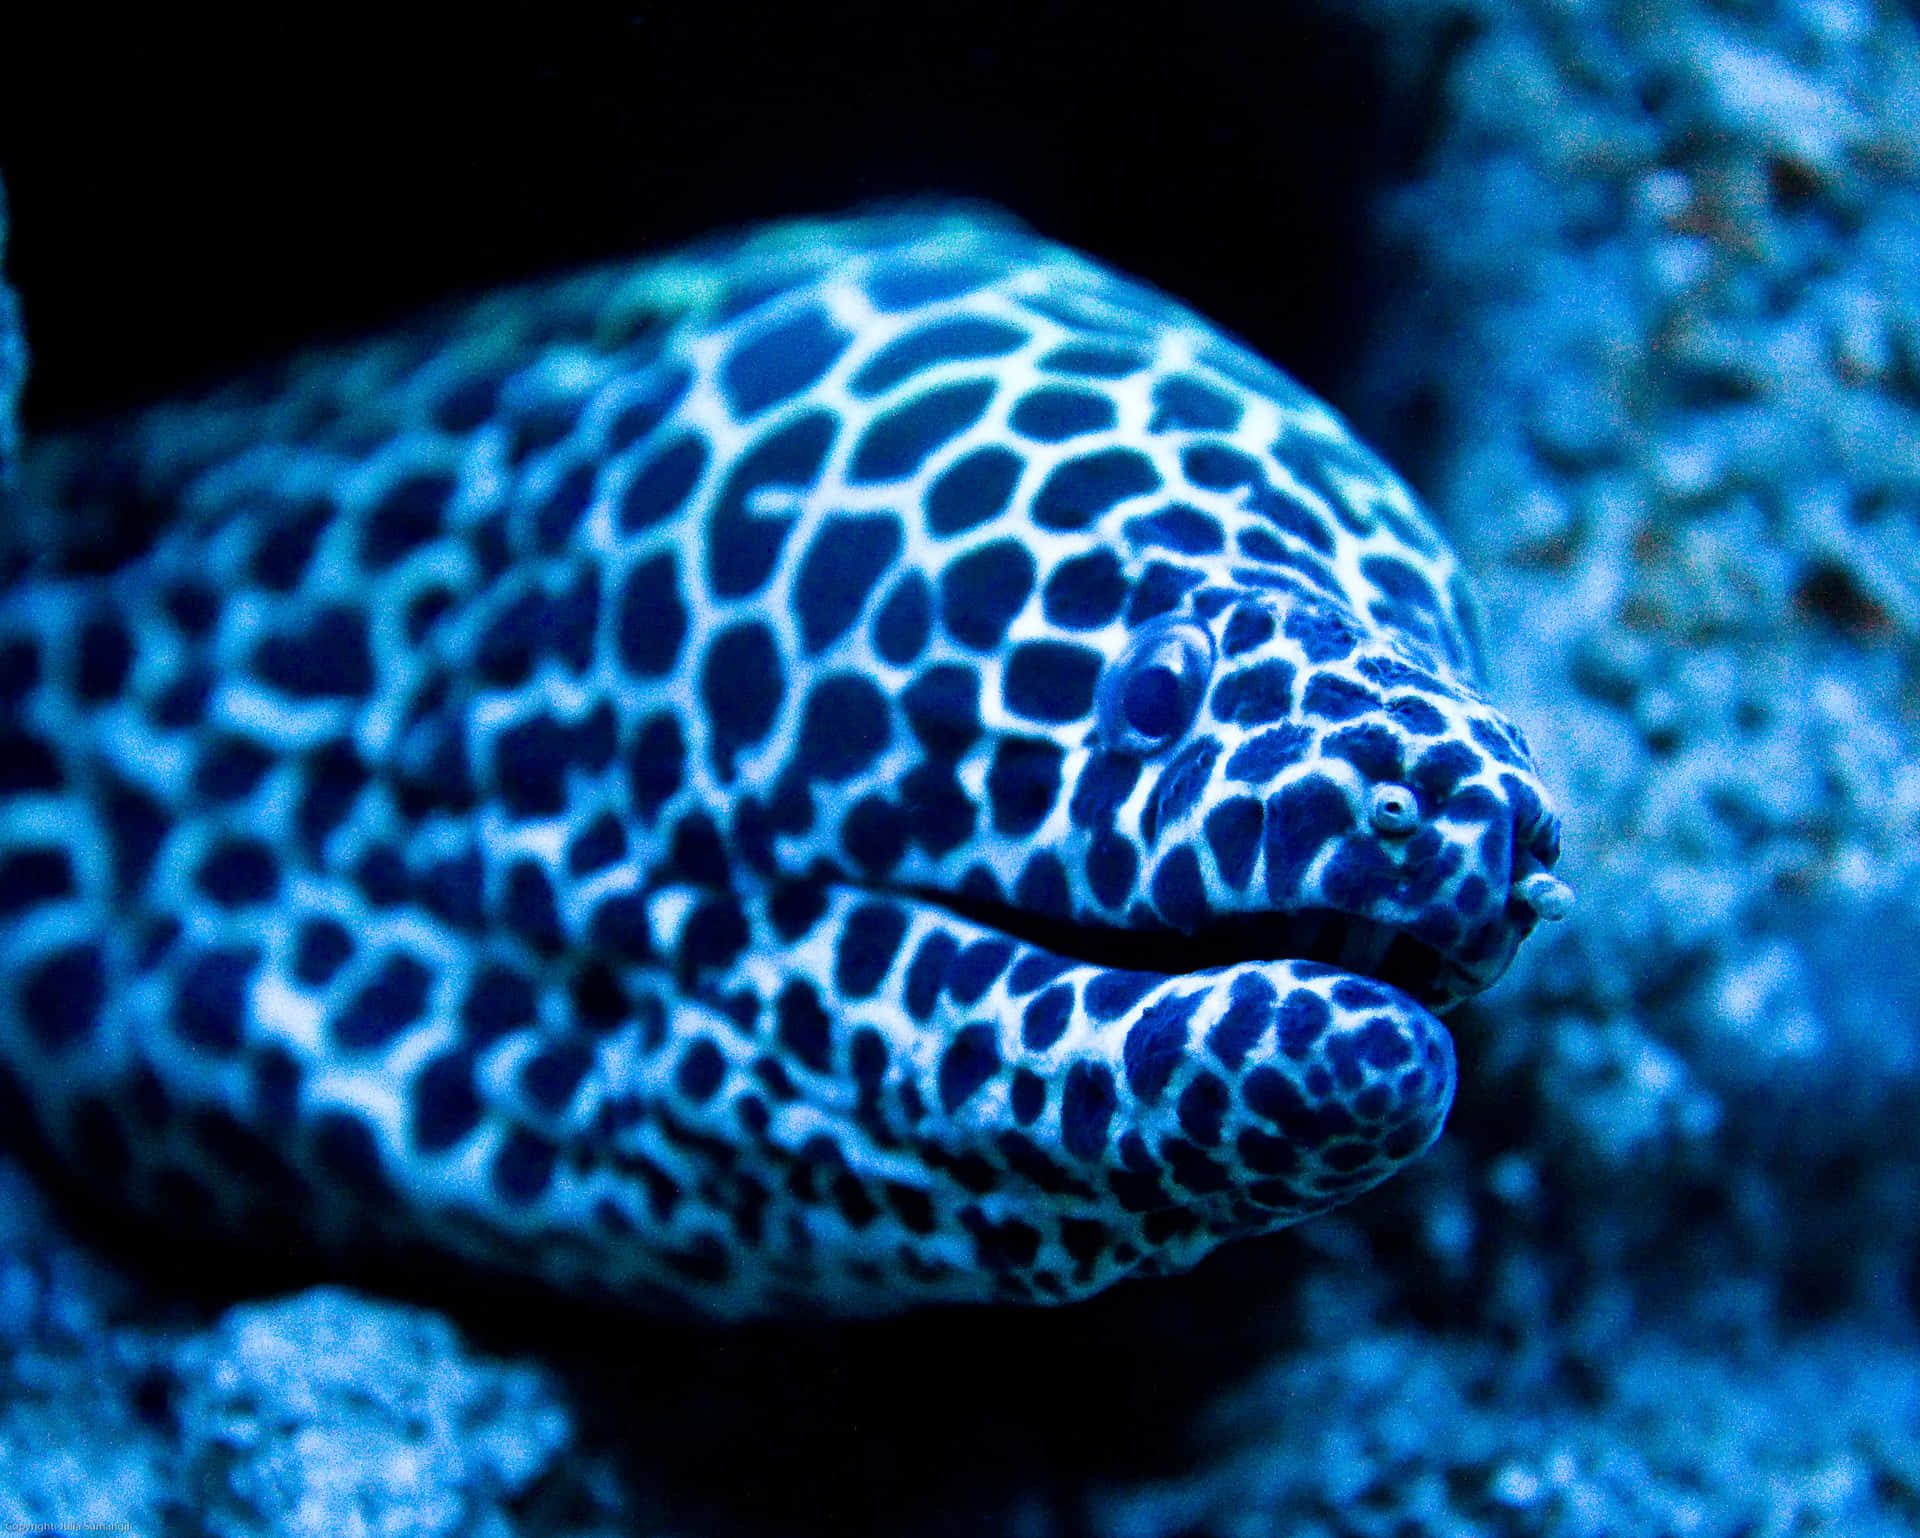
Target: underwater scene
{"points": [[1044, 771]]}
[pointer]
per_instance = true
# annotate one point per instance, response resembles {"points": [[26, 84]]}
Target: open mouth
{"points": [[1361, 946]]}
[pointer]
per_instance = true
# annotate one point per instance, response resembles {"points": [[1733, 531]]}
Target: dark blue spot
{"points": [[867, 947], [390, 1001], [136, 823], [445, 1104], [896, 443], [1111, 994], [523, 1166], [867, 1056], [939, 817], [1325, 635], [469, 401], [1184, 404], [1401, 583], [321, 950], [975, 969], [381, 874], [558, 512], [209, 1010], [1330, 698], [975, 487], [1087, 1104], [1112, 863], [650, 622], [237, 872], [874, 836], [287, 544], [1044, 1021], [344, 1149], [528, 906], [30, 877], [927, 974], [530, 767], [1257, 760], [1160, 590], [741, 686], [1217, 467], [942, 707], [804, 1027], [230, 768], [839, 570], [1156, 1043], [184, 701], [1029, 1096], [1255, 695], [696, 855], [971, 1058], [944, 341], [1372, 749], [659, 391], [409, 513], [656, 763], [715, 935], [1233, 834], [1042, 888], [1058, 412], [619, 926], [1104, 784], [1180, 528], [1302, 1019], [743, 544], [908, 283], [1085, 592], [982, 591], [781, 362], [905, 621], [1179, 891], [1051, 681], [844, 725], [26, 763], [62, 994], [1203, 1107], [105, 654], [660, 487], [601, 843], [1094, 361], [1287, 515], [191, 605], [1080, 490], [499, 1001], [454, 889], [327, 655], [1301, 819], [1272, 1096], [1023, 783], [1252, 624], [700, 1072]]}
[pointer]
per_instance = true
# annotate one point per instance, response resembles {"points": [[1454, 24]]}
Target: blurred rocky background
{"points": [[1632, 293]]}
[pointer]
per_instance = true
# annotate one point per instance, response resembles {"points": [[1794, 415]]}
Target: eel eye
{"points": [[1150, 696], [1392, 810]]}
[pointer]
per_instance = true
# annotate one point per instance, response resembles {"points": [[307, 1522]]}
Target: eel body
{"points": [[871, 762]]}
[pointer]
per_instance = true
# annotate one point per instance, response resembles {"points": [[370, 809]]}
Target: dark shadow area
{"points": [[931, 1422], [192, 196]]}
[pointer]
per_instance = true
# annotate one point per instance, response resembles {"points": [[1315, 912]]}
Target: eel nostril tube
{"points": [[1548, 896]]}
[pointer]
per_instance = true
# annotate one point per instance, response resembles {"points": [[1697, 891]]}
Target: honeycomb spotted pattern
{"points": [[869, 762]]}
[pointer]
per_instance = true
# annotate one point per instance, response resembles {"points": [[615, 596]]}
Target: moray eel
{"points": [[867, 763]]}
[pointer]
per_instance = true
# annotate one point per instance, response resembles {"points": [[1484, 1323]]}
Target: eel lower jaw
{"points": [[1364, 947]]}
